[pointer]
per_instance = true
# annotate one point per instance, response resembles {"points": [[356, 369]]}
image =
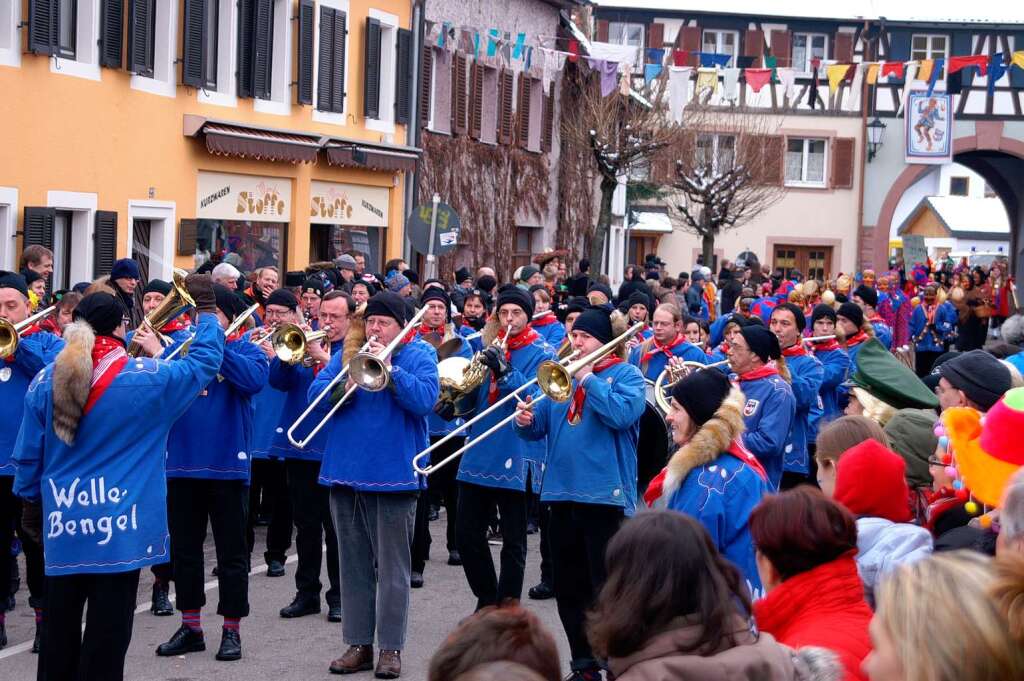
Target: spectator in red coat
{"points": [[805, 547]]}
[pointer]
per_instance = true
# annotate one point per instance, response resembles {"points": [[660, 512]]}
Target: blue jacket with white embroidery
{"points": [[437, 426], [686, 351], [34, 352], [293, 381], [943, 325], [768, 415], [807, 374], [835, 366]]}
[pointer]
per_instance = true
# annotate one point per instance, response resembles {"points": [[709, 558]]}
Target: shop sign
{"points": [[348, 204], [224, 196]]}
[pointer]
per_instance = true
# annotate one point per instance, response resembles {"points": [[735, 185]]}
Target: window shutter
{"points": [[689, 40], [403, 76], [655, 37], [523, 111], [38, 227], [42, 26], [140, 37], [325, 59], [245, 38], [843, 52], [111, 33], [262, 47], [772, 162], [304, 53], [188, 235], [476, 100], [782, 41], [104, 250], [192, 34], [339, 37], [753, 46], [547, 134], [505, 127], [426, 76], [371, 78], [459, 100], [842, 162], [602, 30]]}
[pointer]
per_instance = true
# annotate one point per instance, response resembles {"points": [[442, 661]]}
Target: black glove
{"points": [[32, 520], [445, 409], [200, 287], [494, 359]]}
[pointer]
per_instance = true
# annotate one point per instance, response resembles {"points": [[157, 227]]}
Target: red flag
{"points": [[894, 68], [979, 60], [680, 57]]}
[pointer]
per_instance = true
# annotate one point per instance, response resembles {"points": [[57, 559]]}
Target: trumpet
{"points": [[671, 375], [174, 303], [554, 378], [369, 372], [290, 342], [10, 333]]}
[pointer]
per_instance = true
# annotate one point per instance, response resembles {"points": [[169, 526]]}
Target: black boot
{"points": [[161, 604], [230, 646], [185, 640], [334, 612], [275, 568], [541, 592], [37, 641], [301, 605], [3, 636]]}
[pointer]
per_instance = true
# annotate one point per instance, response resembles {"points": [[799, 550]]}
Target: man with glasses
{"points": [[666, 344]]}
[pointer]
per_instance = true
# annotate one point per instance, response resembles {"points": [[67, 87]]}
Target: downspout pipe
{"points": [[413, 132]]}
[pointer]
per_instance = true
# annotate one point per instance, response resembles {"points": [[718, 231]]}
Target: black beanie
{"points": [[15, 281], [31, 276], [313, 285], [157, 286], [228, 302], [386, 304], [462, 274], [486, 283], [822, 310], [701, 394], [762, 342], [981, 377], [596, 321], [867, 294], [437, 293], [638, 298], [576, 304], [513, 295], [283, 297], [852, 312], [797, 313], [603, 288], [100, 310]]}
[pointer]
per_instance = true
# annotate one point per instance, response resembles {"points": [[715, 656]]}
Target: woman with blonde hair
{"points": [[937, 621], [837, 437]]}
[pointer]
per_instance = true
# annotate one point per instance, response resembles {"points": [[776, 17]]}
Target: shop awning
{"points": [[375, 157], [262, 144]]}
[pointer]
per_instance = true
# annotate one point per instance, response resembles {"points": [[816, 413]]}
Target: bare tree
{"points": [[723, 170]]}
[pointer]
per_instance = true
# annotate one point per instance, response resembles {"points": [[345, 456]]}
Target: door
{"points": [[141, 231], [811, 262], [61, 278]]}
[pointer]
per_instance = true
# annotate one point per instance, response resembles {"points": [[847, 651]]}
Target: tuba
{"points": [[175, 303], [10, 334]]}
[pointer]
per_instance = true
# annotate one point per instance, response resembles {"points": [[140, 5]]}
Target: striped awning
{"points": [[260, 144], [373, 158]]}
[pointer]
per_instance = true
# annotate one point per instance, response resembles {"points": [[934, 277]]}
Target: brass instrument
{"points": [[368, 371], [174, 303], [554, 378], [290, 342], [10, 333], [818, 339], [672, 374], [460, 377], [240, 320]]}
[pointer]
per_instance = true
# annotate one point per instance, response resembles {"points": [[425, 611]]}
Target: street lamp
{"points": [[876, 131]]}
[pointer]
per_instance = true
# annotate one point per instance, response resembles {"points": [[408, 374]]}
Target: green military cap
{"points": [[890, 380]]}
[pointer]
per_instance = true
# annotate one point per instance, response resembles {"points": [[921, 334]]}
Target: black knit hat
{"points": [[283, 297], [852, 312], [228, 302], [386, 304], [798, 314], [603, 288], [157, 286], [596, 321], [639, 298], [701, 394], [313, 285], [822, 310], [462, 274], [576, 304], [486, 283], [15, 281], [527, 272], [538, 287], [981, 377], [867, 294], [100, 310], [513, 295], [31, 276], [437, 293], [762, 342]]}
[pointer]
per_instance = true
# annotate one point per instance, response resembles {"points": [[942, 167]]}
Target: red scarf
{"points": [[798, 350], [658, 347], [656, 488], [764, 372], [575, 412], [856, 339], [825, 346], [524, 338], [424, 329], [177, 324], [236, 335], [548, 318], [108, 358]]}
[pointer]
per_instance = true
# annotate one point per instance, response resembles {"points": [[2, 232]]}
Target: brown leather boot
{"points": [[355, 659], [389, 664]]}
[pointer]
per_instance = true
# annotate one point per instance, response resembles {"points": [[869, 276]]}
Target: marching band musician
{"points": [[36, 349], [91, 450], [652, 355], [474, 317], [834, 360], [806, 375], [545, 322], [867, 298], [590, 474], [311, 297], [850, 323], [374, 488], [770, 408], [207, 482], [310, 501], [437, 322], [494, 473]]}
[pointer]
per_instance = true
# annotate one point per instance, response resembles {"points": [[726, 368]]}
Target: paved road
{"points": [[277, 649]]}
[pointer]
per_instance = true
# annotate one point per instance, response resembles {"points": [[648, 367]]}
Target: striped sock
{"points": [[190, 619], [39, 615], [232, 623]]}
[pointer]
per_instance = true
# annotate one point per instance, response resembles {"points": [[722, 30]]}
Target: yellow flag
{"points": [[1018, 59], [707, 78], [836, 74], [872, 74], [924, 71]]}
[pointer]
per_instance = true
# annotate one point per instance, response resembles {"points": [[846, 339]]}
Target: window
{"points": [[246, 244], [211, 57], [526, 238], [620, 33], [717, 150], [924, 46], [805, 162], [380, 63], [211, 24], [959, 186], [721, 42], [813, 262], [61, 250], [141, 31], [327, 242], [806, 48], [67, 28], [256, 36]]}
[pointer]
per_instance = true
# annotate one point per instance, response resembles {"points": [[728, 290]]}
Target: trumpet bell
{"points": [[289, 343], [460, 377], [369, 372], [554, 380], [8, 339]]}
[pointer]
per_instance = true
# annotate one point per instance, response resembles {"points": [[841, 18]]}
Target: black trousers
{"points": [[269, 492], [442, 485], [10, 522], [579, 534], [66, 654], [476, 505], [224, 504], [311, 511], [545, 543]]}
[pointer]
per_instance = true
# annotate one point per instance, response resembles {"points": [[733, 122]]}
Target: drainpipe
{"points": [[863, 155], [412, 130]]}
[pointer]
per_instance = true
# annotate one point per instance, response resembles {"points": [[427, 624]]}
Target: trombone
{"points": [[10, 333], [367, 370], [672, 374], [555, 381]]}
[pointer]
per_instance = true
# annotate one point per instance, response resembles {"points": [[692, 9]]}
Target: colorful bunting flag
{"points": [[892, 68], [651, 71], [1018, 59], [872, 74], [678, 91], [655, 56], [707, 79], [574, 51], [492, 42], [996, 69], [924, 70], [836, 73], [517, 49], [681, 57], [712, 59], [757, 78], [978, 60], [937, 67]]}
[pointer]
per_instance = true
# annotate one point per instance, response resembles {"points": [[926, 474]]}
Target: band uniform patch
{"points": [[750, 407]]}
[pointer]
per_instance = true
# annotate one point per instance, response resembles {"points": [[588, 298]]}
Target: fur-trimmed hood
{"points": [[72, 379], [713, 438]]}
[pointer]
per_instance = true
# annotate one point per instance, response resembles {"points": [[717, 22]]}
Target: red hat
{"points": [[871, 481]]}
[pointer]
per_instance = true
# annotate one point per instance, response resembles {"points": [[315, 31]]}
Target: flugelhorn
{"points": [[174, 303], [10, 333], [367, 370], [290, 342], [672, 374]]}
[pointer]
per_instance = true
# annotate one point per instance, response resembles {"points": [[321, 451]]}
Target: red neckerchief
{"points": [[524, 338], [798, 350], [575, 412], [764, 372], [929, 312], [424, 329], [108, 358], [825, 346], [658, 347], [856, 339], [548, 318], [177, 324], [876, 318], [236, 335]]}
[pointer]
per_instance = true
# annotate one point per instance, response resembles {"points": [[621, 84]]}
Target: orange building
{"points": [[178, 131]]}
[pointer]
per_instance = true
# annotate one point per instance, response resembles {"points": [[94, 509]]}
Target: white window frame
{"points": [[83, 223], [806, 68], [639, 65], [164, 81], [161, 216], [10, 36], [86, 63], [929, 52], [804, 182], [388, 63], [226, 93], [439, 69], [9, 228], [719, 39], [280, 65], [716, 138], [330, 116]]}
